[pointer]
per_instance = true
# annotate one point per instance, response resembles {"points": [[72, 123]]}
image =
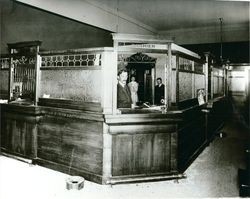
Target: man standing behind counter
{"points": [[123, 93], [159, 92]]}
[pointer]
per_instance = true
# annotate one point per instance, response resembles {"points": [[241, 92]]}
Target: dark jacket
{"points": [[159, 94], [123, 97]]}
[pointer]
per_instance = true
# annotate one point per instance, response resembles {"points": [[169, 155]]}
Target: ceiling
{"points": [[178, 14], [187, 22]]}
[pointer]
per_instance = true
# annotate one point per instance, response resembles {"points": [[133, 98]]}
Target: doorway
{"points": [[143, 74]]}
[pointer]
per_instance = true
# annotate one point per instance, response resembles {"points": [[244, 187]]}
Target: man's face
{"points": [[123, 77], [158, 81]]}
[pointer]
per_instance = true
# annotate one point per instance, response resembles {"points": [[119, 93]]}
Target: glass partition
{"points": [[71, 75]]}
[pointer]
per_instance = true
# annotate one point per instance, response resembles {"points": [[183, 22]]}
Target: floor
{"points": [[212, 174]]}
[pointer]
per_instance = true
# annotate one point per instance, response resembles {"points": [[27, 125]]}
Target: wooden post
{"points": [[38, 77], [206, 75], [108, 73], [212, 82], [174, 83], [114, 79], [193, 81], [168, 75], [177, 80], [107, 154], [10, 75], [224, 81], [153, 84]]}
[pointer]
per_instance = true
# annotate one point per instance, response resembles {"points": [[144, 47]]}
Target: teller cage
{"points": [[62, 110]]}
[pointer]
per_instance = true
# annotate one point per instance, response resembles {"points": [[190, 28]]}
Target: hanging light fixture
{"points": [[224, 63], [221, 40]]}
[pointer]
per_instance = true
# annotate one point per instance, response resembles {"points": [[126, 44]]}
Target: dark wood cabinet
{"points": [[18, 131]]}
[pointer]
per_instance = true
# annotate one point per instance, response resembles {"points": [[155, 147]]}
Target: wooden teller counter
{"points": [[64, 109]]}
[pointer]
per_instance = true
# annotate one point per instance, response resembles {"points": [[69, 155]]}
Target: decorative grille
{"points": [[136, 58], [71, 60], [24, 75]]}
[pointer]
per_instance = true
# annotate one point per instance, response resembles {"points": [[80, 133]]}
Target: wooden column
{"points": [[38, 77], [224, 81], [193, 81], [108, 81], [206, 75], [107, 155], [174, 83], [11, 70], [177, 80], [153, 84], [114, 79], [168, 75], [212, 83]]}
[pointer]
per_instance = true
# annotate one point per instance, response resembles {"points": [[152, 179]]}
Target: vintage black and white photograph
{"points": [[124, 99]]}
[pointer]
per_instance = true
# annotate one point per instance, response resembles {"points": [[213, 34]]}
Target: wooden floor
{"points": [[212, 174]]}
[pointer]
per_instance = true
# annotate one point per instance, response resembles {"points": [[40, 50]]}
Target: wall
{"points": [[23, 23], [236, 52], [239, 84], [231, 33], [93, 13], [218, 82]]}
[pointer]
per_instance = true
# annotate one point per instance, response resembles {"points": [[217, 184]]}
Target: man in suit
{"points": [[159, 91], [123, 93]]}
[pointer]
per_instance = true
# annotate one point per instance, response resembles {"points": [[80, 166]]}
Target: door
{"points": [[143, 75]]}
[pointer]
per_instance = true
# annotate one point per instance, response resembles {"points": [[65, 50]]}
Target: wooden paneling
{"points": [[161, 156], [18, 134], [159, 118], [122, 155], [94, 177], [188, 103], [142, 128], [49, 143], [73, 143], [141, 152], [137, 145], [219, 111], [191, 137], [70, 104]]}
